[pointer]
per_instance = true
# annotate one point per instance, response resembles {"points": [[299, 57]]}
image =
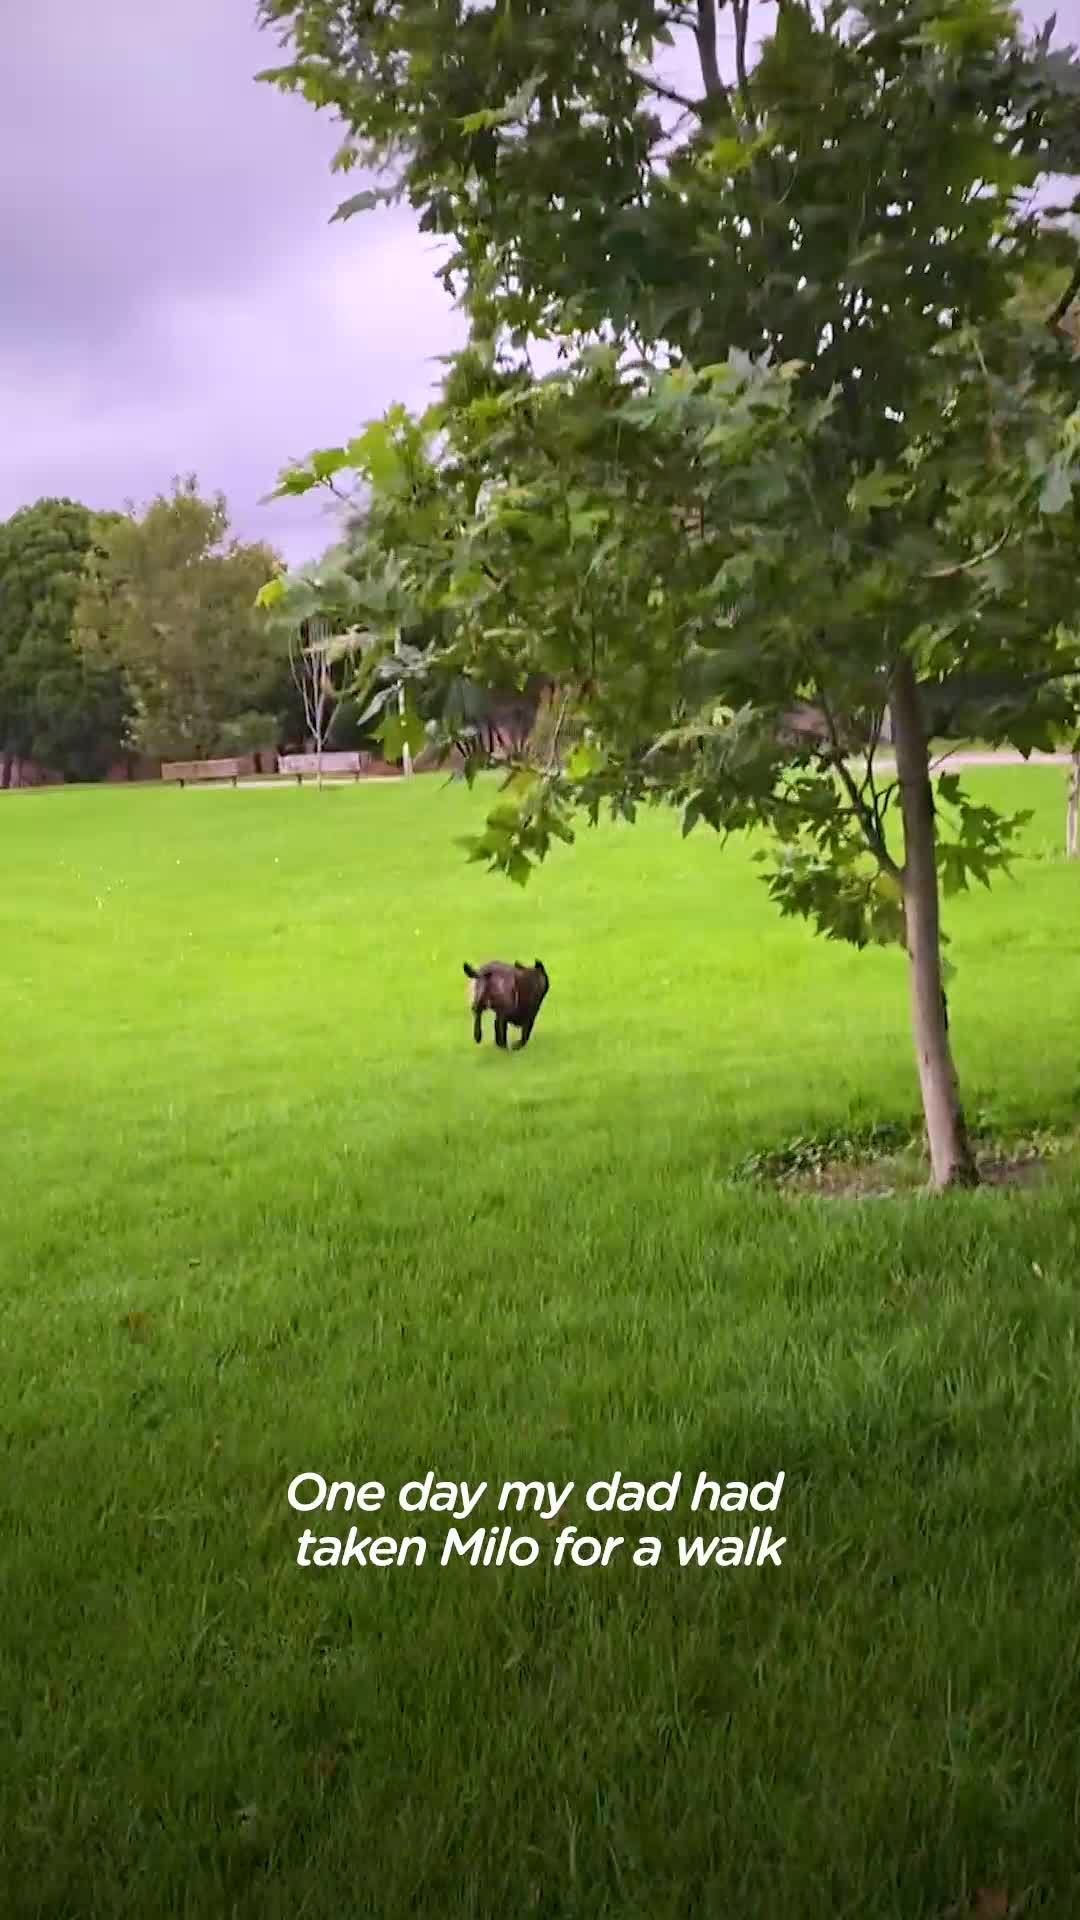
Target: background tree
{"points": [[1039, 294], [322, 650], [321, 665], [168, 600], [356, 595], [853, 210], [56, 706]]}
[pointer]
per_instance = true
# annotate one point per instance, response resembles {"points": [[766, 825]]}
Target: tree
{"points": [[312, 677], [168, 599], [804, 454], [329, 613], [56, 707], [1038, 295], [321, 666], [479, 724]]}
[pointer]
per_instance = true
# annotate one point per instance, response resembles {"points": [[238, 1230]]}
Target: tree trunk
{"points": [[951, 1159], [1072, 818]]}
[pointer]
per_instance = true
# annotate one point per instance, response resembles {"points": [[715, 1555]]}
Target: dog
{"points": [[514, 994]]}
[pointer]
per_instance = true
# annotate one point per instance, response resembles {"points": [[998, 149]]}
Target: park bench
{"points": [[301, 764], [191, 772]]}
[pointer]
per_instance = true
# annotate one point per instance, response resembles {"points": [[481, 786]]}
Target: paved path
{"points": [[947, 763], [1007, 757]]}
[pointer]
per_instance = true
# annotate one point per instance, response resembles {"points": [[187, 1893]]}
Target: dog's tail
{"points": [[470, 972]]}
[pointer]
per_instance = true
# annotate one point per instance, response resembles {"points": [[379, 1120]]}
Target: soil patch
{"points": [[889, 1162]]}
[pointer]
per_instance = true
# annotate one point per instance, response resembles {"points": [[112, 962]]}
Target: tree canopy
{"points": [[808, 450], [56, 706], [168, 599]]}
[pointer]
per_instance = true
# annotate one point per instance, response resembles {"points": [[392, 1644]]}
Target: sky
{"points": [[174, 298]]}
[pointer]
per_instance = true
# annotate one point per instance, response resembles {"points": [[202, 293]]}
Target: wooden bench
{"points": [[301, 764], [192, 772]]}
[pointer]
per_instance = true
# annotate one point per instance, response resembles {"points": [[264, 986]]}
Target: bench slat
{"points": [[308, 763], [184, 770]]}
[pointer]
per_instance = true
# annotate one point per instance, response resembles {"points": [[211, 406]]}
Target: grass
{"points": [[266, 1209]]}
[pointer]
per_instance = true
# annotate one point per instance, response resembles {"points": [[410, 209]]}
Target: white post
{"points": [[406, 756], [317, 632]]}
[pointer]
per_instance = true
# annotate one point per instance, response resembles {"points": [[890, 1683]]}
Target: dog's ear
{"points": [[540, 968]]}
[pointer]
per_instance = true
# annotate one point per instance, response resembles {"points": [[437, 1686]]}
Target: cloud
{"points": [[175, 299], [232, 383]]}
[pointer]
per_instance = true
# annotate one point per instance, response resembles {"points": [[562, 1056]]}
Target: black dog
{"points": [[514, 994]]}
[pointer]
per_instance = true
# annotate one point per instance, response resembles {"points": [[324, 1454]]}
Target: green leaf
{"points": [[328, 462], [364, 202], [374, 454], [600, 359], [730, 155], [506, 817], [515, 108], [1057, 487], [585, 520], [584, 760], [375, 705], [401, 730], [969, 26], [295, 480], [877, 490]]}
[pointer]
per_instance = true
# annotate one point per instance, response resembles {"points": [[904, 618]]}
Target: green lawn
{"points": [[266, 1209]]}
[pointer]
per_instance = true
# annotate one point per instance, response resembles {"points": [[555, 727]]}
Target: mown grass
{"points": [[266, 1209]]}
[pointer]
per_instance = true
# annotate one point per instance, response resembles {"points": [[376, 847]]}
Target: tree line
{"points": [[137, 633]]}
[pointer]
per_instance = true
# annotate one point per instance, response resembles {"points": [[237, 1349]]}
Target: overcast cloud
{"points": [[173, 297]]}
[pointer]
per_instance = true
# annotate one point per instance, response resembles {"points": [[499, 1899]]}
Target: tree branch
{"points": [[705, 35], [868, 820], [878, 802], [1055, 319], [965, 566], [741, 11], [553, 765], [865, 815], [666, 93]]}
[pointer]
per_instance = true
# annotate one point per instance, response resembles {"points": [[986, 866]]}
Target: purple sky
{"points": [[174, 298]]}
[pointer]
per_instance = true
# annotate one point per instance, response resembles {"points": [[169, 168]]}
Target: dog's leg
{"points": [[500, 1032], [478, 1025], [525, 1032]]}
